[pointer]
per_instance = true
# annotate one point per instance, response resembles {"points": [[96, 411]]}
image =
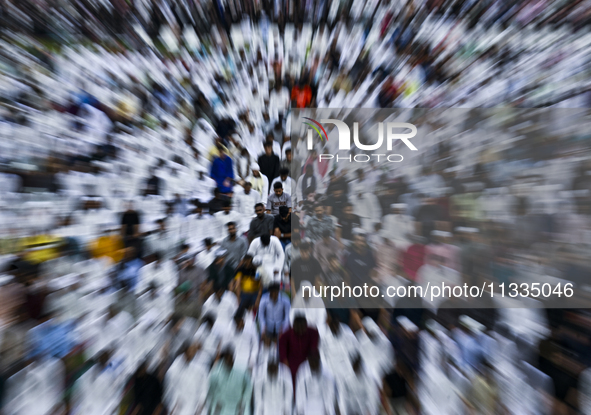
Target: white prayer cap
{"points": [[441, 234], [471, 324], [406, 324], [398, 206], [255, 167]]}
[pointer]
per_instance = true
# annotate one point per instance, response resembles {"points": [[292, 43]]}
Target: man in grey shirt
{"points": [[261, 224], [236, 246], [277, 199]]}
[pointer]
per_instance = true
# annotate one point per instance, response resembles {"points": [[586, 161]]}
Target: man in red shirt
{"points": [[296, 344]]}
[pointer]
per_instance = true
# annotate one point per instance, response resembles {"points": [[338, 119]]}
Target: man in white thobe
{"points": [[337, 344], [268, 248], [315, 389], [273, 390], [185, 383]]}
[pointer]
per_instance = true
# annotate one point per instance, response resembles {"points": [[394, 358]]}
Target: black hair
{"points": [[278, 185]]}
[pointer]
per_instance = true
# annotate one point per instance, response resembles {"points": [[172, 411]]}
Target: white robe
{"points": [[185, 386], [36, 389], [337, 350], [273, 395], [315, 394]]}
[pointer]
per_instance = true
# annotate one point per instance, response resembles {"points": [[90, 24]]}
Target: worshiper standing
{"points": [[269, 162], [297, 343], [273, 312], [315, 388], [220, 272], [282, 226], [128, 271], [347, 223], [259, 182], [235, 246], [248, 284], [306, 266], [222, 171], [130, 226], [269, 249], [337, 345], [288, 183], [318, 223], [229, 388], [307, 184], [184, 383], [278, 199], [360, 263], [222, 218], [262, 224], [358, 391], [273, 390]]}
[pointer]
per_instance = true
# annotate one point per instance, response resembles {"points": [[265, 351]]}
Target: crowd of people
{"points": [[161, 214]]}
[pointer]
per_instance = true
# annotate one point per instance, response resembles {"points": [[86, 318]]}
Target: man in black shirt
{"points": [[130, 228], [360, 262], [428, 214], [347, 223], [218, 202], [282, 226], [153, 184], [262, 224], [305, 268], [220, 274], [269, 162]]}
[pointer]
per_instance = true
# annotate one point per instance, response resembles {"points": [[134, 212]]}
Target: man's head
{"points": [[284, 174], [272, 367], [268, 148], [226, 207], [300, 325], [284, 213], [247, 187], [161, 225], [305, 249], [208, 242], [326, 234], [227, 356], [348, 209], [219, 293], [359, 239], [247, 260], [274, 292], [319, 210], [309, 170], [265, 239], [278, 189], [288, 155], [231, 229], [256, 170], [259, 209], [296, 239]]}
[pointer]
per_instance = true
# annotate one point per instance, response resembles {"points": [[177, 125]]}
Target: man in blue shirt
{"points": [[222, 171], [128, 270], [274, 312]]}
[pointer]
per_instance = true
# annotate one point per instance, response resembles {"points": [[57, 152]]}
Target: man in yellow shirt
{"points": [[247, 284], [110, 244]]}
